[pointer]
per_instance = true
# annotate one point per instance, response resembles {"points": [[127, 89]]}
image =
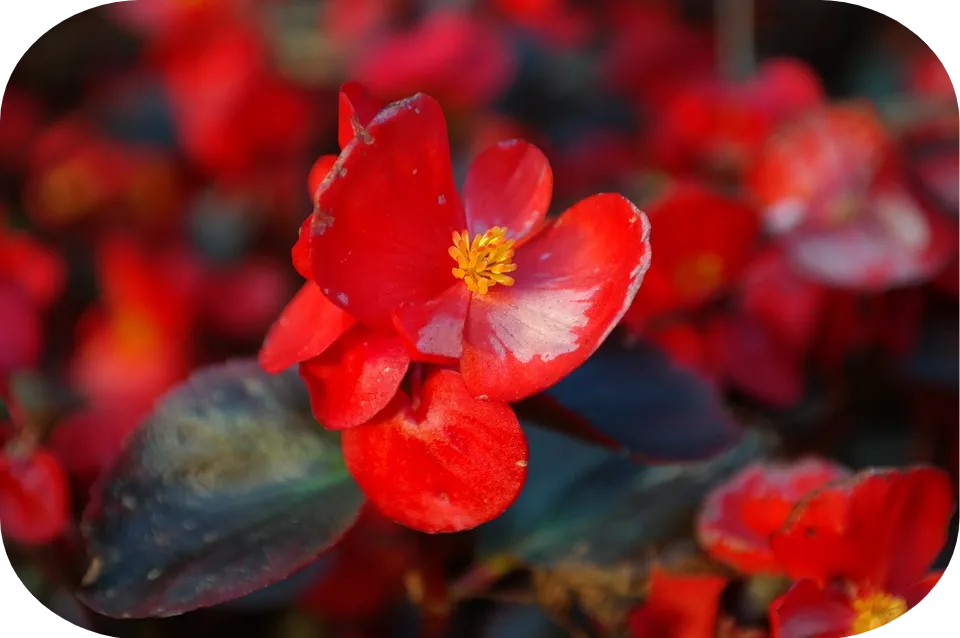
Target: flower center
{"points": [[483, 261], [699, 275], [876, 610]]}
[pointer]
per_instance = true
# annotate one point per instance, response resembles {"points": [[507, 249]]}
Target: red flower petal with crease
{"points": [[880, 529], [809, 611], [387, 215], [318, 173], [679, 606], [356, 378], [739, 516], [357, 109], [445, 464], [433, 331], [508, 185], [574, 282], [306, 327]]}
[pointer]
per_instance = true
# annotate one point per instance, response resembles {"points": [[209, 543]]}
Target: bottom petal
{"points": [[445, 464], [356, 378], [809, 611]]}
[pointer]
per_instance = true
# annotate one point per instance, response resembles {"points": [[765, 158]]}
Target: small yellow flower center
{"points": [[699, 275], [483, 261], [876, 610]]}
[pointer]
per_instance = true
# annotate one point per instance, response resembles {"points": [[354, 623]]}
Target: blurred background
{"points": [[798, 160]]}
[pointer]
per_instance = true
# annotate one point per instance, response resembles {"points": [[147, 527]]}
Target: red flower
{"points": [[863, 549], [679, 606], [34, 499], [739, 517], [519, 302], [704, 241], [717, 124], [830, 183], [461, 59]]}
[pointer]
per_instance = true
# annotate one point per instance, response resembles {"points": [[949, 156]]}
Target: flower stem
{"points": [[736, 54]]}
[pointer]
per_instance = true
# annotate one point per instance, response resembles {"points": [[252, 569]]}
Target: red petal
{"points": [[574, 282], [356, 378], [38, 270], [807, 611], [433, 331], [508, 185], [915, 593], [739, 516], [880, 529], [679, 606], [894, 242], [21, 337], [357, 109], [300, 253], [448, 464], [318, 173], [306, 327], [34, 503], [384, 222]]}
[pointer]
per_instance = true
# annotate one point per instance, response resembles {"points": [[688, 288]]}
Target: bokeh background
{"points": [[154, 158]]}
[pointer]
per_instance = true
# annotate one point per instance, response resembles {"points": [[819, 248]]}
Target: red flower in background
{"points": [[714, 124], [31, 280], [34, 495], [459, 58], [135, 345], [685, 606], [830, 184], [21, 119], [863, 550], [739, 517]]}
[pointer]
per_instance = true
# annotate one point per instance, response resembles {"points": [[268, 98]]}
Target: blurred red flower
{"points": [[679, 606], [739, 517], [862, 550]]}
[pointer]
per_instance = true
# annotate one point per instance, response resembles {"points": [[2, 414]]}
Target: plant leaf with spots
{"points": [[229, 486]]}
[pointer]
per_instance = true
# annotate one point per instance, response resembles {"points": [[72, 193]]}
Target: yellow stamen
{"points": [[876, 610], [483, 261], [699, 275]]}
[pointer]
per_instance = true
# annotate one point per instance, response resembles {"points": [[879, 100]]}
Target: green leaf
{"points": [[229, 486]]}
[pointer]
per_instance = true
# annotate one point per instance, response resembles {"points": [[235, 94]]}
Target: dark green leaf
{"points": [[227, 487]]}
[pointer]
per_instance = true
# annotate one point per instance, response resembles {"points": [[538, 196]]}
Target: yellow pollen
{"points": [[699, 275], [483, 261], [876, 610]]}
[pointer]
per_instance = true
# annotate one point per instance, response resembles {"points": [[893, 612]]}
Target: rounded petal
{"points": [[679, 606], [357, 109], [739, 516], [445, 464], [809, 611], [300, 254], [508, 185], [384, 219], [433, 331], [306, 327], [356, 378], [574, 282], [880, 529]]}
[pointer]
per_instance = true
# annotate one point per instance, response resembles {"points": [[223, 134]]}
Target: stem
{"points": [[736, 54]]}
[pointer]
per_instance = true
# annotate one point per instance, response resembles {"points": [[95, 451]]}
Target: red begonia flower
{"points": [[520, 308], [445, 462], [34, 498], [704, 241], [460, 58], [679, 606], [20, 330], [863, 548], [739, 517], [242, 300]]}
